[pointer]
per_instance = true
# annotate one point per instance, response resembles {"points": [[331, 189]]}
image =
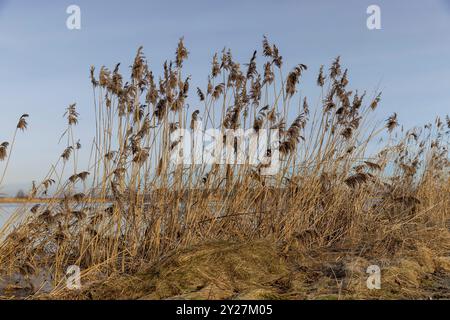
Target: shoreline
{"points": [[8, 200]]}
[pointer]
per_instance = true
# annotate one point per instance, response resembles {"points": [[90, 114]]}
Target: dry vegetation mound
{"points": [[260, 270]]}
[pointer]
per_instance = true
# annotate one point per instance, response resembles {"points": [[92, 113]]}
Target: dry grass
{"points": [[226, 231]]}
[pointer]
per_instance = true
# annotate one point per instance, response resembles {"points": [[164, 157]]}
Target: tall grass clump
{"points": [[132, 207]]}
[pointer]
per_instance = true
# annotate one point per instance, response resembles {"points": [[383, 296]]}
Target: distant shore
{"points": [[44, 200]]}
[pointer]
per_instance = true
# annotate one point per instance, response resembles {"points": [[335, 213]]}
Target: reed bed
{"points": [[330, 194]]}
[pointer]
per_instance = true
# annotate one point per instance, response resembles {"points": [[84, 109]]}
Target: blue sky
{"points": [[44, 66]]}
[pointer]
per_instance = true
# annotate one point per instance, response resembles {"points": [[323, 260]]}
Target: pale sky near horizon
{"points": [[44, 66]]}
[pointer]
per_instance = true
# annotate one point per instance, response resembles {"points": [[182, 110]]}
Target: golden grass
{"points": [[45, 200]]}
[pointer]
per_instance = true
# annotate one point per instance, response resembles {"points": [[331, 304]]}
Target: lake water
{"points": [[8, 209], [41, 280]]}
